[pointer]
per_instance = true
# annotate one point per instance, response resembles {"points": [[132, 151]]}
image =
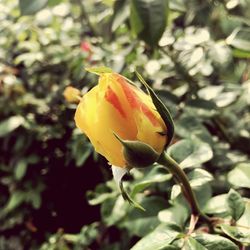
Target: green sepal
{"points": [[118, 174], [138, 154], [99, 70], [128, 198], [161, 108]]}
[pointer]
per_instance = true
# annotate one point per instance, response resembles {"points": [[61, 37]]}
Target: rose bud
{"points": [[72, 95], [116, 109]]}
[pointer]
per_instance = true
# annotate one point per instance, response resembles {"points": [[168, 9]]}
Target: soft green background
{"points": [[56, 192]]}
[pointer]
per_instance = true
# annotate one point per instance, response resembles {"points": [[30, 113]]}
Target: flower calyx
{"points": [[137, 154]]}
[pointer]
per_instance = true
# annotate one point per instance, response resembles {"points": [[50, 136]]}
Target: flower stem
{"points": [[180, 176]]}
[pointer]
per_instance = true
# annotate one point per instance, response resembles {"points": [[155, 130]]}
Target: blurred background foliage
{"points": [[56, 192]]}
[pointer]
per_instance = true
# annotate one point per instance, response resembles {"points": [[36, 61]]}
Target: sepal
{"points": [[138, 154], [118, 174], [161, 108], [99, 70]]}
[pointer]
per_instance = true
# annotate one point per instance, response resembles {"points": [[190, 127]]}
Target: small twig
{"points": [[193, 221]]}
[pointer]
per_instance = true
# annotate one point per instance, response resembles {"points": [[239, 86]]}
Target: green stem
{"points": [[174, 168]]}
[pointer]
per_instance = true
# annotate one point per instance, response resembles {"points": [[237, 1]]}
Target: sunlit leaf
{"points": [[215, 242], [240, 233], [240, 39], [235, 204], [240, 175], [141, 223], [20, 169], [217, 205], [160, 238], [192, 244], [154, 176], [10, 124], [190, 153]]}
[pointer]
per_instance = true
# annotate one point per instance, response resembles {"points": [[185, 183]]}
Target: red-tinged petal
{"points": [[149, 114], [128, 91], [112, 98], [135, 102]]}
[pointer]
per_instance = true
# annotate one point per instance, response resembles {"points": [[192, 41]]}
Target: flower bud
{"points": [[115, 106], [72, 95]]}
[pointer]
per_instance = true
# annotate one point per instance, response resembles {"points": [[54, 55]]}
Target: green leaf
{"points": [[113, 210], [16, 198], [160, 238], [215, 242], [121, 13], [20, 169], [192, 244], [238, 233], [81, 150], [35, 199], [190, 152], [202, 193], [148, 19], [245, 218], [141, 223], [217, 205], [99, 70], [241, 53], [154, 176], [240, 175], [161, 108], [178, 213], [88, 234], [83, 239], [83, 154], [101, 194], [52, 3], [235, 204], [240, 39], [177, 5], [96, 198], [28, 7], [197, 179], [187, 121], [222, 96], [10, 124], [220, 53], [202, 108]]}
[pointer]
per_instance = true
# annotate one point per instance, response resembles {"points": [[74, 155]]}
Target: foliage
{"points": [[195, 54]]}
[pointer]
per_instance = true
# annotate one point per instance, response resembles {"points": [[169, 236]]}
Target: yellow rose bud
{"points": [[116, 107], [72, 95]]}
